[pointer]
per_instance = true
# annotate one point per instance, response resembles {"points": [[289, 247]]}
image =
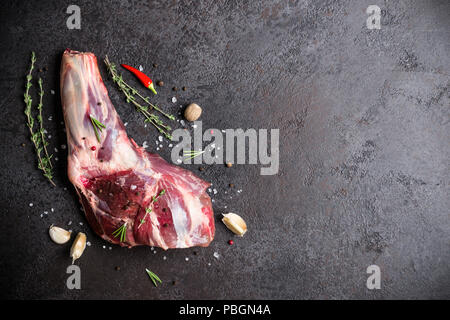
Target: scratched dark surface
{"points": [[364, 147]]}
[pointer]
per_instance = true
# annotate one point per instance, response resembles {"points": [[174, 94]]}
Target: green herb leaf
{"points": [[153, 277]]}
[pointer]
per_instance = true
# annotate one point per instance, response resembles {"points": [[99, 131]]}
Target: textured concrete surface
{"points": [[364, 146]]}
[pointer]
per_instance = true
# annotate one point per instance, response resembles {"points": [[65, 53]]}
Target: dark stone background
{"points": [[364, 146]]}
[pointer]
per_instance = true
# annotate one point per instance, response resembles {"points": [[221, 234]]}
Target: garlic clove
{"points": [[78, 246], [59, 235], [235, 223]]}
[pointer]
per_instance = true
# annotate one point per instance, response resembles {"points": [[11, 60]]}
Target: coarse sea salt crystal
{"points": [[81, 223], [174, 99], [187, 259], [42, 215], [215, 191], [49, 136], [70, 222], [182, 122], [63, 146], [160, 138], [160, 145], [31, 204], [209, 263], [164, 258], [56, 158], [104, 247], [179, 160], [141, 68], [216, 255], [50, 118], [194, 126], [52, 210], [209, 189], [170, 145], [145, 145], [132, 187], [125, 124], [52, 91], [88, 244], [157, 149], [56, 149]]}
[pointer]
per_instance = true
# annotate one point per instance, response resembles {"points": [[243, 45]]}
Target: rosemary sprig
{"points": [[153, 277], [191, 154], [149, 210], [37, 137], [121, 232], [131, 94], [98, 126]]}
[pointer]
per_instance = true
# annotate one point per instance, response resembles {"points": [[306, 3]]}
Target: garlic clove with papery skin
{"points": [[78, 246], [235, 223], [59, 235]]}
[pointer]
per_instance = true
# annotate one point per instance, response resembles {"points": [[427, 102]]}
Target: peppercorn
{"points": [[160, 83], [184, 88], [231, 185], [165, 225], [174, 282], [195, 253], [201, 168], [45, 68], [23, 144], [117, 268], [155, 65], [174, 88]]}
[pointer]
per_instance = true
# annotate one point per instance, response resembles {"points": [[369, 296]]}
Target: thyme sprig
{"points": [[41, 123], [98, 126], [149, 210], [131, 94], [38, 137], [153, 277], [121, 232]]}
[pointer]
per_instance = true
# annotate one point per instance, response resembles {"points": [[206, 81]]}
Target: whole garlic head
{"points": [[59, 235], [235, 223]]}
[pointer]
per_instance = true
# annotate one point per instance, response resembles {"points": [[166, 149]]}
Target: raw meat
{"points": [[116, 179]]}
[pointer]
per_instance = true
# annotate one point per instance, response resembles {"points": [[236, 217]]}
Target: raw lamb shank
{"points": [[118, 181]]}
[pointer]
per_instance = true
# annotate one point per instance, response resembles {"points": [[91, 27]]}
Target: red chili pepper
{"points": [[146, 81]]}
